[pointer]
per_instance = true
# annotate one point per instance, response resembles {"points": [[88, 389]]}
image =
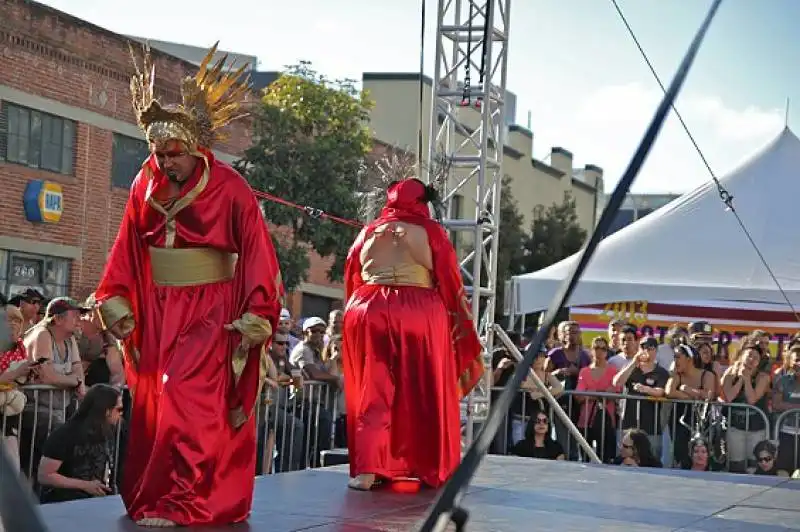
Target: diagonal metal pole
{"points": [[557, 409], [18, 510]]}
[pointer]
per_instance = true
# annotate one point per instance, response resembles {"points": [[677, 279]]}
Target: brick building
{"points": [[66, 123]]}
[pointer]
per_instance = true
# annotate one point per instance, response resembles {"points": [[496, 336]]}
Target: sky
{"points": [[571, 64]]}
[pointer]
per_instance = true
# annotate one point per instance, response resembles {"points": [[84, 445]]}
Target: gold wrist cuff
{"points": [[257, 330], [117, 311]]}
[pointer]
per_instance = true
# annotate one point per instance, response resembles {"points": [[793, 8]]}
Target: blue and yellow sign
{"points": [[43, 201]]}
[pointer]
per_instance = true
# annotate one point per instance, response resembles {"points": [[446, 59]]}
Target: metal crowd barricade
{"points": [[668, 425], [789, 438], [293, 427]]}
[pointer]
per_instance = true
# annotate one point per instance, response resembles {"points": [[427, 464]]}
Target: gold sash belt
{"points": [[399, 275], [191, 266]]}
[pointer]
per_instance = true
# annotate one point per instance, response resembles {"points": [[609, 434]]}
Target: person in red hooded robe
{"points": [[410, 348], [192, 287]]}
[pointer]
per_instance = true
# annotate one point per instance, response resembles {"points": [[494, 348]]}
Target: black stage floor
{"points": [[508, 494]]}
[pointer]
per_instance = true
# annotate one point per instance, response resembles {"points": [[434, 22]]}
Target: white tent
{"points": [[693, 248]]}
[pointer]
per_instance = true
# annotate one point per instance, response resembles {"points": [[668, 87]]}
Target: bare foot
{"points": [[156, 522], [361, 482]]}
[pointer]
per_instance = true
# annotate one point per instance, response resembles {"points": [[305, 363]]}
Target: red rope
{"points": [[314, 213]]}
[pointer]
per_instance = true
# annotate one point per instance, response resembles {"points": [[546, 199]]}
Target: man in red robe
{"points": [[410, 348], [193, 288]]}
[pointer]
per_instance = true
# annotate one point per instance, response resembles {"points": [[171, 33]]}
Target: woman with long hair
{"points": [[538, 441], [77, 458], [410, 348], [699, 455], [689, 382], [598, 416], [746, 381], [637, 450]]}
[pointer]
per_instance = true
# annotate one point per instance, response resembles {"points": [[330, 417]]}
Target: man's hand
{"points": [[95, 488], [505, 363], [23, 370]]}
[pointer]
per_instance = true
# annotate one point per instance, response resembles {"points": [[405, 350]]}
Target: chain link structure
{"points": [[468, 123]]}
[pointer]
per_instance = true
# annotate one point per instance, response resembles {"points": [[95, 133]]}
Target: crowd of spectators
{"points": [[636, 401], [683, 403]]}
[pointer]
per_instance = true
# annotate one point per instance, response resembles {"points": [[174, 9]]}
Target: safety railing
{"points": [[601, 417], [787, 433], [294, 425]]}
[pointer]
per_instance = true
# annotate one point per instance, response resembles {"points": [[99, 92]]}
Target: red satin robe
{"points": [[410, 354], [185, 462]]}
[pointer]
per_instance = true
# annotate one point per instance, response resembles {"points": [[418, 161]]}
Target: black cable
{"points": [[421, 89], [467, 95], [724, 195], [487, 36], [445, 508]]}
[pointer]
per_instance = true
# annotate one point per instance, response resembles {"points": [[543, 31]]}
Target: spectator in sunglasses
{"points": [[765, 453], [538, 441], [30, 303]]}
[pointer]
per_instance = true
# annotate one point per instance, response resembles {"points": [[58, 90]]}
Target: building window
{"points": [[126, 159], [18, 271], [37, 139], [319, 306]]}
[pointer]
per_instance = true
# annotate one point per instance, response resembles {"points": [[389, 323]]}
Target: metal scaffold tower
{"points": [[468, 124]]}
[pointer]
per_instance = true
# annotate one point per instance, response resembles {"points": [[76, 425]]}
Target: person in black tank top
{"points": [[689, 383]]}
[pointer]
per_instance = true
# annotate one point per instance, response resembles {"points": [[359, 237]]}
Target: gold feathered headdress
{"points": [[210, 100]]}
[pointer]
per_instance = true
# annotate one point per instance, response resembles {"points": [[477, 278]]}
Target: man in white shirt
{"points": [[629, 347], [307, 354]]}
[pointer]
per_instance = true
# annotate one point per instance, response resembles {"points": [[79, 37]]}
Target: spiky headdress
{"points": [[210, 100], [396, 165]]}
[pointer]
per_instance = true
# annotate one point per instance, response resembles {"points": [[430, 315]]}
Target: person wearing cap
{"points": [[99, 349], [53, 340], [410, 349], [30, 303], [192, 286], [307, 354], [285, 324], [700, 332]]}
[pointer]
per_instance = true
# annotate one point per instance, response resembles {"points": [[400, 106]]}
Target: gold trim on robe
{"points": [[183, 202], [255, 331], [403, 274], [191, 266]]}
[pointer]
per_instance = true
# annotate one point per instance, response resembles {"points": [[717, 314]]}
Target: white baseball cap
{"points": [[313, 322], [285, 314]]}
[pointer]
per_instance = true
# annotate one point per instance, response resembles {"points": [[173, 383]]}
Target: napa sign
{"points": [[44, 201]]}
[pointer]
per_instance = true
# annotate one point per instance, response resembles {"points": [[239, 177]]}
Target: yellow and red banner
{"points": [[730, 323]]}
